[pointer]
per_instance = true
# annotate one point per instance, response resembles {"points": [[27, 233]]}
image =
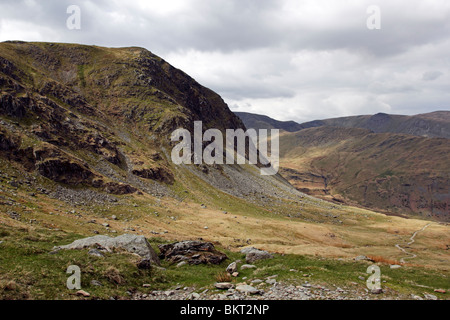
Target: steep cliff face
{"points": [[66, 108], [102, 117]]}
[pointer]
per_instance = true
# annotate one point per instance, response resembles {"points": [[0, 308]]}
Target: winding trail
{"points": [[411, 255]]}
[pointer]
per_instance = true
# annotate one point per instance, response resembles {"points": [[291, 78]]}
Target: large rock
{"points": [[253, 254], [232, 268], [245, 288], [193, 252], [132, 243], [248, 266], [223, 285]]}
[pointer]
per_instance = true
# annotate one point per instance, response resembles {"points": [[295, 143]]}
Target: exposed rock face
{"points": [[175, 86], [158, 174], [80, 110], [194, 252], [58, 166], [119, 188], [64, 170], [6, 142], [109, 113], [13, 107], [135, 244]]}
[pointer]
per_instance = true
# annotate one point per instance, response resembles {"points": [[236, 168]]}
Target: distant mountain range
{"points": [[257, 121], [392, 163], [434, 124]]}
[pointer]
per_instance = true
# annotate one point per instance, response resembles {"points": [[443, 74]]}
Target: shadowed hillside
{"points": [[384, 162], [257, 121], [391, 172]]}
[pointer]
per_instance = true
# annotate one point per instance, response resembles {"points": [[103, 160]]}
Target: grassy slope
{"points": [[28, 271]]}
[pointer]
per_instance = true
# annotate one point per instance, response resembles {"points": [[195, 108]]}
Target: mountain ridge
{"points": [[434, 124]]}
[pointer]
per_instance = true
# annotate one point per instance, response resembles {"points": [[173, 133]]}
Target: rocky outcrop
{"points": [[119, 188], [175, 86], [12, 106], [84, 109], [246, 289], [65, 171], [132, 243], [158, 173], [193, 252], [7, 142]]}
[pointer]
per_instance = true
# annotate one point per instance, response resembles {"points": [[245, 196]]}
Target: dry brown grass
{"points": [[10, 285], [223, 277], [114, 276], [381, 259]]}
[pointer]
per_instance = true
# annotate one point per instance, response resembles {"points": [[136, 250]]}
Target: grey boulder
{"points": [[245, 288], [232, 268], [223, 285], [132, 243], [253, 254]]}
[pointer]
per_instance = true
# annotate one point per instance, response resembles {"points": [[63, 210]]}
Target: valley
{"points": [[395, 173]]}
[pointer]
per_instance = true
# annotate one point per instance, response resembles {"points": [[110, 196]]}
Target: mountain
{"points": [[257, 121], [434, 125], [383, 162], [85, 123], [98, 116]]}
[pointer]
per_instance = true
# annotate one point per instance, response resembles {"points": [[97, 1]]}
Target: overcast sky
{"points": [[290, 59]]}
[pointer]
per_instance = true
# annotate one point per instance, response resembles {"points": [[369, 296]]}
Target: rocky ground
{"points": [[275, 291]]}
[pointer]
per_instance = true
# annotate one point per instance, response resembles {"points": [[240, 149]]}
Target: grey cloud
{"points": [[431, 75], [310, 58]]}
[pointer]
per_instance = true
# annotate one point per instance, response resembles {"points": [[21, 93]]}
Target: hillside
{"points": [[85, 151], [383, 162], [394, 173]]}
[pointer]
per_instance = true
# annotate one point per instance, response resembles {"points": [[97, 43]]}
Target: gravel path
{"points": [[411, 255]]}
